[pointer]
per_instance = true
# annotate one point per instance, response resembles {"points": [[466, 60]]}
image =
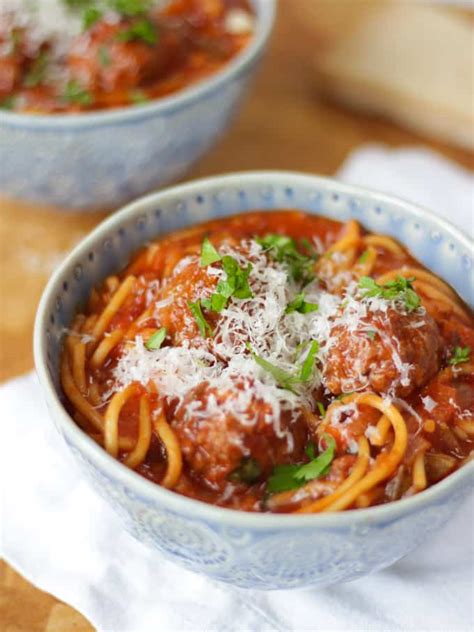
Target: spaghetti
{"points": [[276, 362]]}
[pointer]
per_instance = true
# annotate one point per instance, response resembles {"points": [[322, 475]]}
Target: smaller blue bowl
{"points": [[106, 158], [267, 551]]}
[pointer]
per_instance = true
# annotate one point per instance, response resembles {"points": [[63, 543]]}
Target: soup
{"points": [[81, 55], [276, 362]]}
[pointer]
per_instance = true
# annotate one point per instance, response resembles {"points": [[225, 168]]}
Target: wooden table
{"points": [[284, 124]]}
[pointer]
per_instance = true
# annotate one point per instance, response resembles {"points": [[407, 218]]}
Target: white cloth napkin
{"points": [[67, 541]]}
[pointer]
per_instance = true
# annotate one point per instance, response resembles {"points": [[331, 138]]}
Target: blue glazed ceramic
{"points": [[105, 159], [251, 550]]}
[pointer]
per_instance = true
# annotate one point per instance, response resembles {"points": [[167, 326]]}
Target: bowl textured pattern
{"points": [[108, 158], [261, 551]]}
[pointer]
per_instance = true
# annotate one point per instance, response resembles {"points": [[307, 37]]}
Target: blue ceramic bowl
{"points": [[252, 550], [104, 159]]}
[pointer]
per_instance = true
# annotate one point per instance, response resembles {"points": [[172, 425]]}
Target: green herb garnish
{"points": [[204, 327], [321, 408], [399, 289], [208, 253], [283, 249], [371, 334], [138, 97], [282, 378], [307, 367], [142, 29], [363, 256], [75, 93], [90, 17], [104, 56], [298, 304], [460, 355], [287, 477], [131, 8], [248, 472], [37, 72], [156, 339], [8, 103]]}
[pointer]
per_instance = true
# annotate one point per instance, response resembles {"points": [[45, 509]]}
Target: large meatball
{"points": [[219, 443], [188, 284], [390, 352]]}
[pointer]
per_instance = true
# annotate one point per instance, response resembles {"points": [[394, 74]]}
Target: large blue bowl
{"points": [[253, 550], [104, 159]]}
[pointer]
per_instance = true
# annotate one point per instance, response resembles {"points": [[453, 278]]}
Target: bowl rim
{"points": [[265, 19], [153, 493]]}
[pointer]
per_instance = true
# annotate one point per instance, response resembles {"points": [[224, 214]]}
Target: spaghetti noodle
{"points": [[245, 364]]}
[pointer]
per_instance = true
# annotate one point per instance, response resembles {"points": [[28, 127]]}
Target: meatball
{"points": [[189, 283], [390, 352], [224, 445], [101, 60]]}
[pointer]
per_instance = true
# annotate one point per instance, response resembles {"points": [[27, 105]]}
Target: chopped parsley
{"points": [[248, 472], [204, 327], [8, 103], [104, 56], [208, 253], [90, 16], [283, 378], [236, 282], [156, 339], [400, 289], [75, 93], [131, 8], [287, 477], [307, 367], [298, 304], [460, 355], [321, 408], [283, 249], [363, 256], [138, 97], [37, 72], [371, 334], [141, 29]]}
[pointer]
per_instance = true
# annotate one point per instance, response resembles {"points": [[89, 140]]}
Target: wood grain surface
{"points": [[284, 124]]}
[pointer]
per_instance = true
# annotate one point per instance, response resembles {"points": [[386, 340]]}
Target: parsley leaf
{"points": [[75, 93], [130, 8], [90, 17], [142, 29], [236, 282], [156, 339], [460, 355], [208, 253], [287, 477], [281, 377], [363, 256], [307, 367], [138, 97], [248, 471], [37, 72], [283, 249], [371, 334], [400, 289], [8, 103], [104, 56], [298, 304], [196, 311], [321, 408]]}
